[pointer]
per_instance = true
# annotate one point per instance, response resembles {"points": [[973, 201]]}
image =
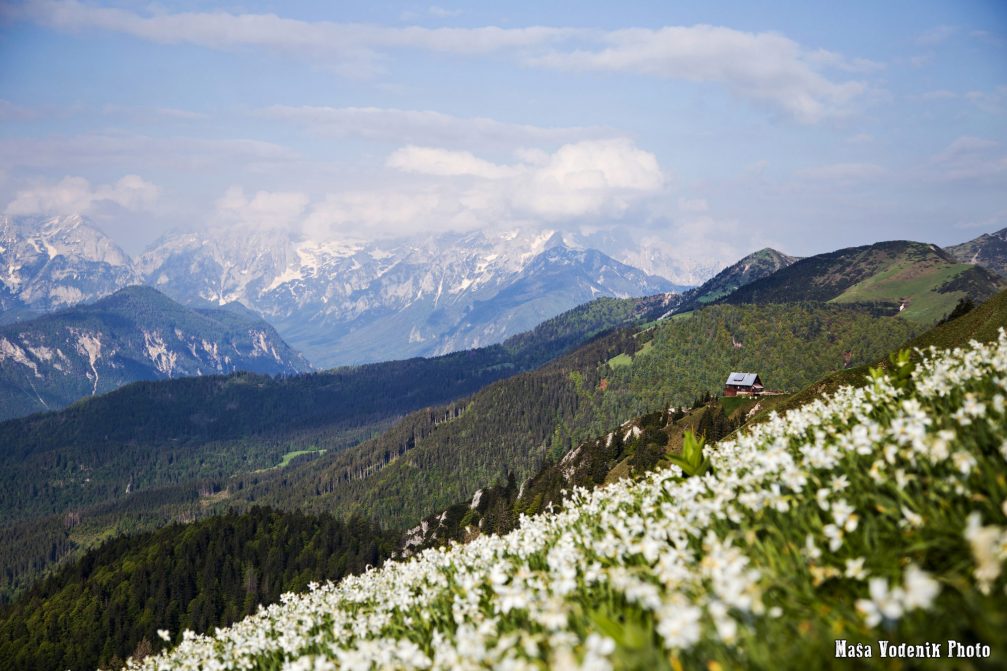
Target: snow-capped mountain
{"points": [[353, 301], [337, 301], [49, 263], [135, 334]]}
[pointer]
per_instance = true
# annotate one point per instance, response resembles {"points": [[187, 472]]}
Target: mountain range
{"points": [[337, 302], [135, 334]]}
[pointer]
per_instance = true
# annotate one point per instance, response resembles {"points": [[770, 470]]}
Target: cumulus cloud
{"points": [[425, 127], [264, 210], [455, 190], [76, 195], [765, 67]]}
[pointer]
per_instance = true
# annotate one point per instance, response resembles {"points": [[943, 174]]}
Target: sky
{"points": [[702, 129]]}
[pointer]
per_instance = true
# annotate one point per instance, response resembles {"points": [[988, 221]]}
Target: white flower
{"points": [[835, 536], [883, 604], [855, 569], [811, 550], [910, 518], [164, 635], [678, 624], [989, 549], [964, 461], [920, 589]]}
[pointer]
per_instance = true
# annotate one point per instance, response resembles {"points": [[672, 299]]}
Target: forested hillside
{"points": [[438, 456], [131, 458], [110, 603]]}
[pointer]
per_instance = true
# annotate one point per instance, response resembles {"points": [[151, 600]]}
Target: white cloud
{"points": [[13, 112], [860, 138], [442, 13], [991, 102], [765, 67], [264, 210], [692, 205], [425, 127], [351, 49], [76, 195], [445, 163], [454, 190], [939, 94]]}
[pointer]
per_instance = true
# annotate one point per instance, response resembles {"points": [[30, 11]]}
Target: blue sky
{"points": [[697, 129]]}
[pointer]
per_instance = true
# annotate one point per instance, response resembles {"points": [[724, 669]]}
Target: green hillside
{"points": [[875, 516], [631, 450], [439, 456], [919, 281], [753, 267], [154, 451], [110, 603]]}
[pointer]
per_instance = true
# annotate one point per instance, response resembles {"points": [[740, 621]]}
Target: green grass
{"points": [[980, 324], [289, 457], [620, 360], [903, 281], [625, 360]]}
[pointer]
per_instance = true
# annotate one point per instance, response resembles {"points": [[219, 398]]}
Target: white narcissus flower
{"points": [[920, 589], [988, 550], [883, 604], [678, 623], [855, 569]]}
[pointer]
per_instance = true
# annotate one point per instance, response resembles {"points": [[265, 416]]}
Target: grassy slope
{"points": [[884, 274], [981, 324], [914, 283]]}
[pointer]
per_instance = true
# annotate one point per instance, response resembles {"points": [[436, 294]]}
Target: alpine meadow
{"points": [[631, 336]]}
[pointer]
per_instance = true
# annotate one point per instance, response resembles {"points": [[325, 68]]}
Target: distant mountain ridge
{"points": [[755, 266], [135, 334], [358, 302], [920, 281], [338, 302], [989, 250]]}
